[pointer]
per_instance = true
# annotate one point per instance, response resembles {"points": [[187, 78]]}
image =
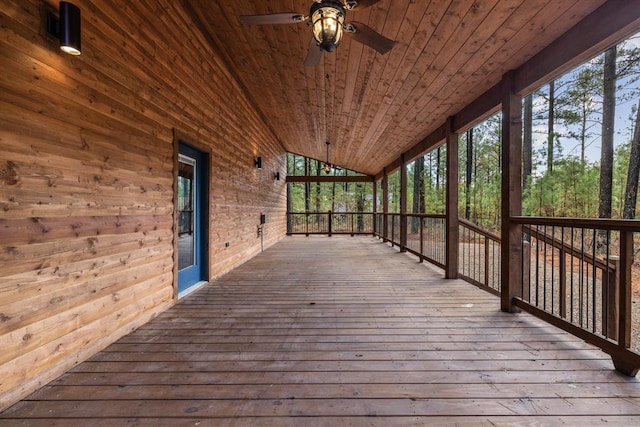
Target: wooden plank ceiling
{"points": [[373, 107]]}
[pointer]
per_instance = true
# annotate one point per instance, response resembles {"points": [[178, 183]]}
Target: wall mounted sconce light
{"points": [[276, 176], [258, 162], [66, 27]]}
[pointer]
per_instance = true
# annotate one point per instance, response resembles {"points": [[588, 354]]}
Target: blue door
{"points": [[192, 217]]}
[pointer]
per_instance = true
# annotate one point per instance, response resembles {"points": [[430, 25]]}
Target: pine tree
{"points": [[631, 192]]}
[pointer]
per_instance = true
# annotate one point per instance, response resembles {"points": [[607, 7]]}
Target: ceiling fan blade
{"points": [[314, 54], [359, 4], [368, 36], [273, 18]]}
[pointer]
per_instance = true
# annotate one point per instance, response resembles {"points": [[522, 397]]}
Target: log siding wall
{"points": [[87, 179]]}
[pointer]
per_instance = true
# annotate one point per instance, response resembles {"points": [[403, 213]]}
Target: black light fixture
{"points": [[66, 27], [327, 165], [258, 162], [276, 175], [327, 21]]}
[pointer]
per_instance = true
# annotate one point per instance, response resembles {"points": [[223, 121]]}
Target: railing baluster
{"points": [[537, 265], [486, 261], [593, 280], [544, 272], [581, 278], [610, 298], [422, 225], [526, 269], [553, 272], [572, 296], [563, 277], [563, 283]]}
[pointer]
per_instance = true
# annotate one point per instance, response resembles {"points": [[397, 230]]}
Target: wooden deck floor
{"points": [[339, 331]]}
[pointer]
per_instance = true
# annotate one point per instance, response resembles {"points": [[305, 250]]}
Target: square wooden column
{"points": [[511, 234], [385, 205], [403, 204], [375, 207], [452, 244]]}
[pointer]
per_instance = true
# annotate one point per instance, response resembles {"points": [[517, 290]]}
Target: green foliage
{"points": [[433, 179], [323, 197], [394, 191], [484, 190], [565, 192]]}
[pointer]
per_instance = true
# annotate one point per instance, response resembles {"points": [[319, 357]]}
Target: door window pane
{"points": [[186, 194]]}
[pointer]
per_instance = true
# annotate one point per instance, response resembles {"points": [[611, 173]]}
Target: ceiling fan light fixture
{"points": [[327, 20], [327, 165]]}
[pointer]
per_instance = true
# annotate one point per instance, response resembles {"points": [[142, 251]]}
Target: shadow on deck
{"points": [[339, 331]]}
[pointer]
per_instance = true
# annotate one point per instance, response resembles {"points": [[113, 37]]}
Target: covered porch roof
{"points": [[321, 331], [374, 107]]}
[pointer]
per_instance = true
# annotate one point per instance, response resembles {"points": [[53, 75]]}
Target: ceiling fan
{"points": [[326, 18]]}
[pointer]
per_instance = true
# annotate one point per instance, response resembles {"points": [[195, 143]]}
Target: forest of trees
{"points": [[323, 197], [581, 154]]}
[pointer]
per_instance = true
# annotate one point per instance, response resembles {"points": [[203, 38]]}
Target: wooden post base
{"points": [[625, 366]]}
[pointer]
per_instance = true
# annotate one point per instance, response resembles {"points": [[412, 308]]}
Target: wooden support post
{"points": [[353, 217], [452, 226], [329, 222], [621, 359], [385, 205], [375, 208], [403, 204], [511, 234], [306, 227], [624, 289]]}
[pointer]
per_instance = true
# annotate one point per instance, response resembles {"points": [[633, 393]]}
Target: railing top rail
{"points": [[331, 212], [479, 230], [426, 215], [417, 215], [598, 223], [562, 245]]}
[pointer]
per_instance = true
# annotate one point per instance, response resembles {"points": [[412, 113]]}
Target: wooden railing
{"points": [[479, 250], [577, 274], [330, 223], [479, 257], [426, 234], [393, 227], [427, 237]]}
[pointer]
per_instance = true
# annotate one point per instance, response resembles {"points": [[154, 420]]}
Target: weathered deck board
{"points": [[339, 331]]}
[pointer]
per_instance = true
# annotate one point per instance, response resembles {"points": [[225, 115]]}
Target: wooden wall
{"points": [[86, 177]]}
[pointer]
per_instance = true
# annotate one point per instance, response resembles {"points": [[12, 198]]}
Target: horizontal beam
{"points": [[481, 108], [391, 168], [329, 178], [432, 140]]}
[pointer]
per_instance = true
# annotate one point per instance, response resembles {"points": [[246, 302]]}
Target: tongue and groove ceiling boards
{"points": [[373, 107]]}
